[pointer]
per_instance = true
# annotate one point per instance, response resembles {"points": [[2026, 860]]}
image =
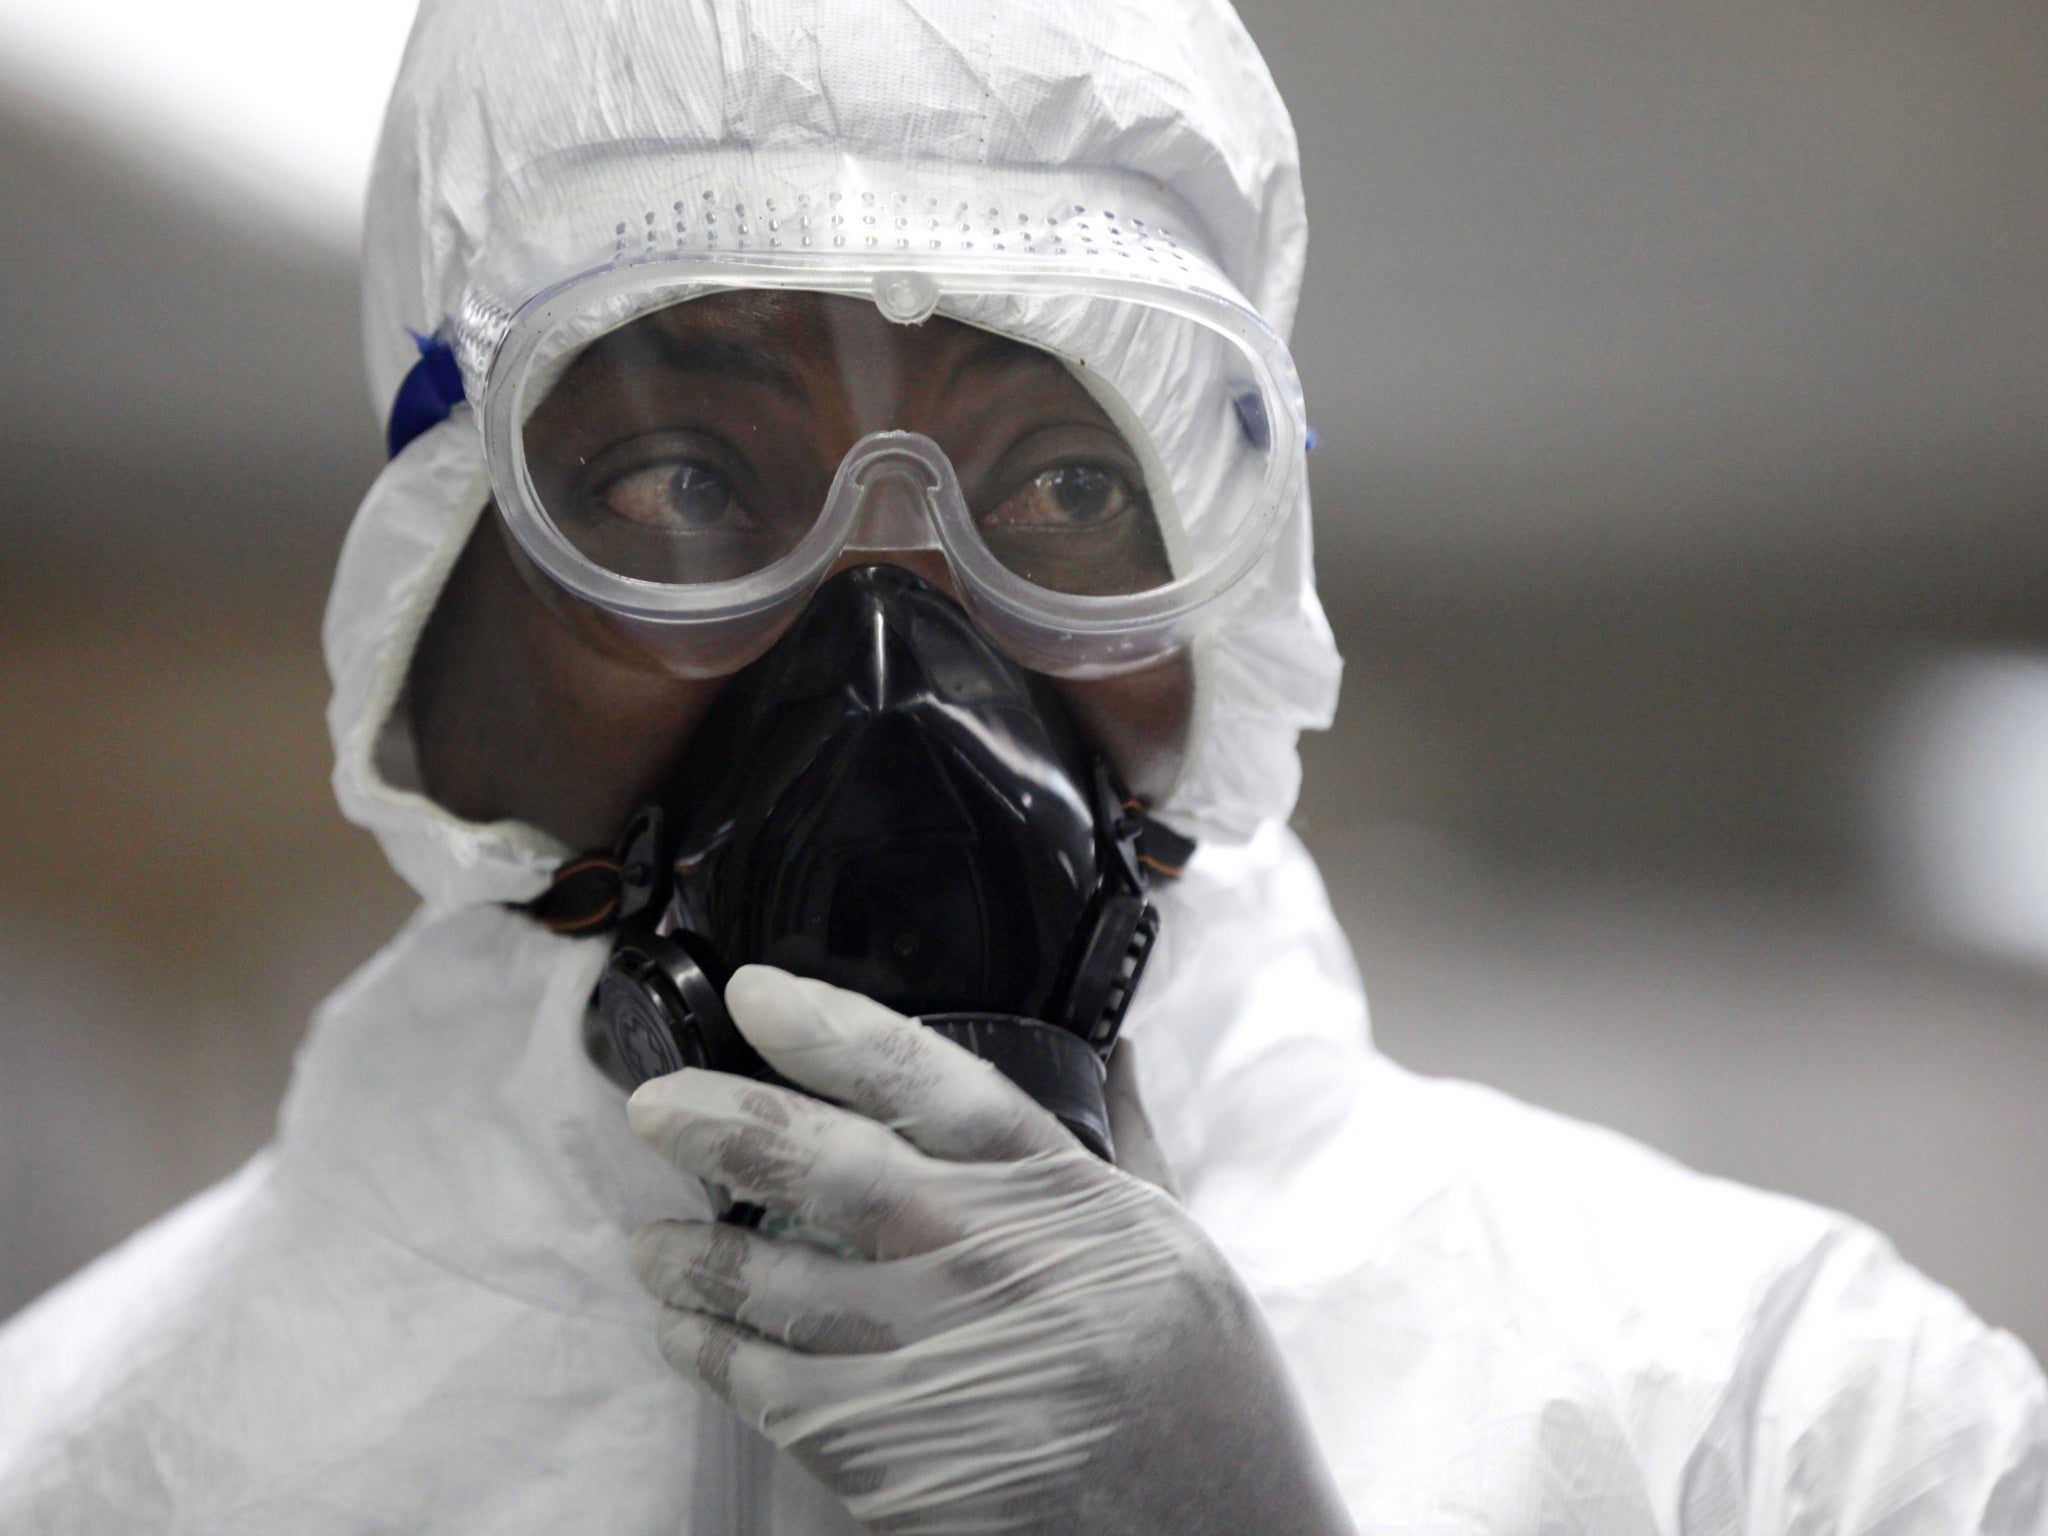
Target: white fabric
{"points": [[416, 1310]]}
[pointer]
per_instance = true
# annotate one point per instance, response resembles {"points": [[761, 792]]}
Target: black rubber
{"points": [[1056, 1067]]}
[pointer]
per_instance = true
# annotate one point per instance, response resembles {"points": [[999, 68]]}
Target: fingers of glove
{"points": [[943, 1099], [1137, 1147], [779, 1148], [785, 1291], [758, 1380]]}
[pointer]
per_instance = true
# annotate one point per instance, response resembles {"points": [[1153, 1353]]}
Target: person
{"points": [[787, 396]]}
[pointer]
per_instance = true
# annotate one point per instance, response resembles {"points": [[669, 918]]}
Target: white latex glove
{"points": [[1031, 1341]]}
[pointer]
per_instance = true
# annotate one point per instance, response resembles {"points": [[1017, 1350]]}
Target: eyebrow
{"points": [[650, 347], [1001, 352]]}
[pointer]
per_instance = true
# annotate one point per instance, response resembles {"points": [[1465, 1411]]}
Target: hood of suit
{"points": [[494, 93]]}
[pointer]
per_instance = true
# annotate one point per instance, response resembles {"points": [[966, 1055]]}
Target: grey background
{"points": [[1679, 375]]}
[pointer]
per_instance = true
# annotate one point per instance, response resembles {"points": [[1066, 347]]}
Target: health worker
{"points": [[828, 649]]}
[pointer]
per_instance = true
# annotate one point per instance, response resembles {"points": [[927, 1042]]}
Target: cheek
{"points": [[526, 708], [627, 726], [617, 721], [1139, 720]]}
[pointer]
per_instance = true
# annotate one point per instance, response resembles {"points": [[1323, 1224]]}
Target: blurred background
{"points": [[1681, 377]]}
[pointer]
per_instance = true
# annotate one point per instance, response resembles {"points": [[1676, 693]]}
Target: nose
{"points": [[927, 564], [900, 486]]}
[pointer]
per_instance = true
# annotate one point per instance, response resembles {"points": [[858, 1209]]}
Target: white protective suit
{"points": [[416, 1310]]}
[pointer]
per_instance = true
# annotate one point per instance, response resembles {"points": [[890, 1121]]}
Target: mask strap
{"points": [[582, 899], [596, 891], [1161, 850], [609, 888]]}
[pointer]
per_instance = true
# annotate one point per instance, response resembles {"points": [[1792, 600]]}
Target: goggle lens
{"points": [[700, 443]]}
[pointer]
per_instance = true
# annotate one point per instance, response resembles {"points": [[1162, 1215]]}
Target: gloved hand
{"points": [[1029, 1340]]}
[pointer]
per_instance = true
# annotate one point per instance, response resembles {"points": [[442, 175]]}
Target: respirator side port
{"points": [[662, 998]]}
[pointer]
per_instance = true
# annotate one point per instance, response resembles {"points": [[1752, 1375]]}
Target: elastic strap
{"points": [[1160, 849], [585, 894], [584, 897], [430, 390]]}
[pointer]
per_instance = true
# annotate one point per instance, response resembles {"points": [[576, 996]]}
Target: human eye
{"points": [[674, 495], [671, 486], [1066, 508], [1078, 497]]}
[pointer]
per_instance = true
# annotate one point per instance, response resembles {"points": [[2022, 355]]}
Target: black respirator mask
{"points": [[884, 801]]}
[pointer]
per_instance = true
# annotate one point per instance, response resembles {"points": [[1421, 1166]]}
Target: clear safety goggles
{"points": [[691, 443]]}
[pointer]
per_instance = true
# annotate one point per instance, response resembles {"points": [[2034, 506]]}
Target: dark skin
{"points": [[528, 706]]}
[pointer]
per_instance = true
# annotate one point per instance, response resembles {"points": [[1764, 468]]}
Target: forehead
{"points": [[793, 324], [814, 339]]}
